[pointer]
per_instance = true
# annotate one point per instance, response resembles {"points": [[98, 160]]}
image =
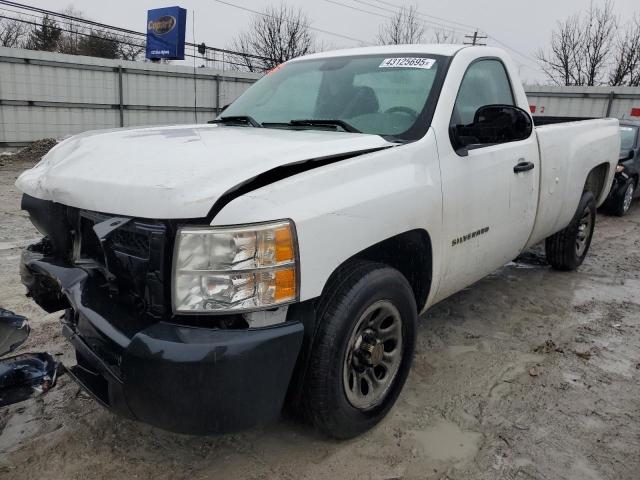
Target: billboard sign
{"points": [[165, 33]]}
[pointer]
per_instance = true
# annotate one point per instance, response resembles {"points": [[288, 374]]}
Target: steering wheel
{"points": [[405, 110]]}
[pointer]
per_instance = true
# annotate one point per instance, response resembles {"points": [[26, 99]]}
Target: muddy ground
{"points": [[529, 374]]}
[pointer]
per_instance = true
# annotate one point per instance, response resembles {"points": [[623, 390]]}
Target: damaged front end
{"points": [[112, 276], [128, 255]]}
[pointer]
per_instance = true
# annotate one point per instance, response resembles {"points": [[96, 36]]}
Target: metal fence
{"points": [[589, 102], [45, 94]]}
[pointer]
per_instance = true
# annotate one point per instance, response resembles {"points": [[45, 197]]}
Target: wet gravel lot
{"points": [[529, 374]]}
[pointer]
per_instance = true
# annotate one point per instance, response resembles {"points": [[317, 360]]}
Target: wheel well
{"points": [[595, 180], [410, 253]]}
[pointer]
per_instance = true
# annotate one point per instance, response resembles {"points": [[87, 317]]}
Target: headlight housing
{"points": [[235, 269]]}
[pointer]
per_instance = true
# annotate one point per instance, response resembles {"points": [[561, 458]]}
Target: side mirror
{"points": [[628, 156], [492, 124]]}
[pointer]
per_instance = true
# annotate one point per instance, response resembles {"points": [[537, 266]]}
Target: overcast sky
{"points": [[523, 25]]}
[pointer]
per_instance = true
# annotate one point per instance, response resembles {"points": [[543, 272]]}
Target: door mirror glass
{"points": [[492, 124], [629, 156]]}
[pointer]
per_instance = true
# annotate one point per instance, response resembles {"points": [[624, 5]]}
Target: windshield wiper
{"points": [[244, 120], [325, 123]]}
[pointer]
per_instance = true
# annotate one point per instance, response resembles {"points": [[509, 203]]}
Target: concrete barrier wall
{"points": [[45, 94]]}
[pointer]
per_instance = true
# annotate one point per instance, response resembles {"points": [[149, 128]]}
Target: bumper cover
{"points": [[179, 378]]}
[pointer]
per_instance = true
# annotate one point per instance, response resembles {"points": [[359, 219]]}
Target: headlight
{"points": [[619, 168], [234, 268]]}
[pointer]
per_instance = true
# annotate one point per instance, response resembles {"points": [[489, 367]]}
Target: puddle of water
{"points": [[446, 441]]}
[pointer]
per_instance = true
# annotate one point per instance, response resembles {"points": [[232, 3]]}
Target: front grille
{"points": [[133, 257], [133, 242]]}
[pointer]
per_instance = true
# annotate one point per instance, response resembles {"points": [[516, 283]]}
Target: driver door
{"points": [[488, 207]]}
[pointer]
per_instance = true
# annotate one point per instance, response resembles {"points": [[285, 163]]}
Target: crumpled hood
{"points": [[173, 172]]}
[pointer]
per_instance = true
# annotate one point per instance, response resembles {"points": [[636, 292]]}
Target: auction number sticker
{"points": [[408, 62]]}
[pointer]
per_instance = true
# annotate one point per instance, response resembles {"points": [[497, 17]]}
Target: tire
{"points": [[333, 397], [622, 204], [567, 249]]}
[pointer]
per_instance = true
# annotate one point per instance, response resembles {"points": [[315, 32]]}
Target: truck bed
{"points": [[569, 150]]}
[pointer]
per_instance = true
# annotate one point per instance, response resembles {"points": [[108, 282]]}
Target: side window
{"points": [[484, 83], [485, 112]]}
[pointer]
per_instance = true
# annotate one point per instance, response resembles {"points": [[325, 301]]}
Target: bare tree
{"points": [[79, 39], [13, 32], [277, 35], [580, 46], [444, 36], [130, 48], [599, 38], [626, 64], [403, 28], [71, 38], [562, 63]]}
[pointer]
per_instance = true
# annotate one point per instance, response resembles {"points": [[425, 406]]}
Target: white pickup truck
{"points": [[212, 274]]}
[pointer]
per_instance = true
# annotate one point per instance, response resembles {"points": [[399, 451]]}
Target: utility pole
{"points": [[475, 39]]}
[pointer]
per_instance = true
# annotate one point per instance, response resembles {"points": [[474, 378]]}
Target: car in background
{"points": [[625, 183]]}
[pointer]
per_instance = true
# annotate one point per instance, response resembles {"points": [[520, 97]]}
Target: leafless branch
{"points": [[600, 32], [277, 35], [444, 36], [626, 65], [405, 27], [580, 47], [12, 32]]}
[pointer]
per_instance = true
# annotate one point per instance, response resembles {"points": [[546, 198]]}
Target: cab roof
{"points": [[446, 50]]}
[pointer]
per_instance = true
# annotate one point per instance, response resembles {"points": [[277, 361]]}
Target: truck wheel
{"points": [[362, 351], [567, 249], [623, 202]]}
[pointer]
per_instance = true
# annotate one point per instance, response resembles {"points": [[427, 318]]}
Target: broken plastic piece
{"points": [[104, 229], [14, 330], [26, 375]]}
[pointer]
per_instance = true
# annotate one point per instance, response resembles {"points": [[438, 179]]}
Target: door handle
{"points": [[523, 167]]}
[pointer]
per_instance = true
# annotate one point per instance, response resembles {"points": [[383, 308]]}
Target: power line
{"points": [[503, 44], [357, 9], [446, 27], [114, 40], [68, 17], [72, 31], [395, 12], [523, 55], [327, 32], [395, 5]]}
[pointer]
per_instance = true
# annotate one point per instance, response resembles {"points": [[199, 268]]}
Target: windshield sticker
{"points": [[408, 62]]}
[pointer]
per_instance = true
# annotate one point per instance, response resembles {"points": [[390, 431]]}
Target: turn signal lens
{"points": [[284, 245], [285, 285]]}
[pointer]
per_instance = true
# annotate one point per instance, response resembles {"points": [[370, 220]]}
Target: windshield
{"points": [[627, 139], [375, 94]]}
